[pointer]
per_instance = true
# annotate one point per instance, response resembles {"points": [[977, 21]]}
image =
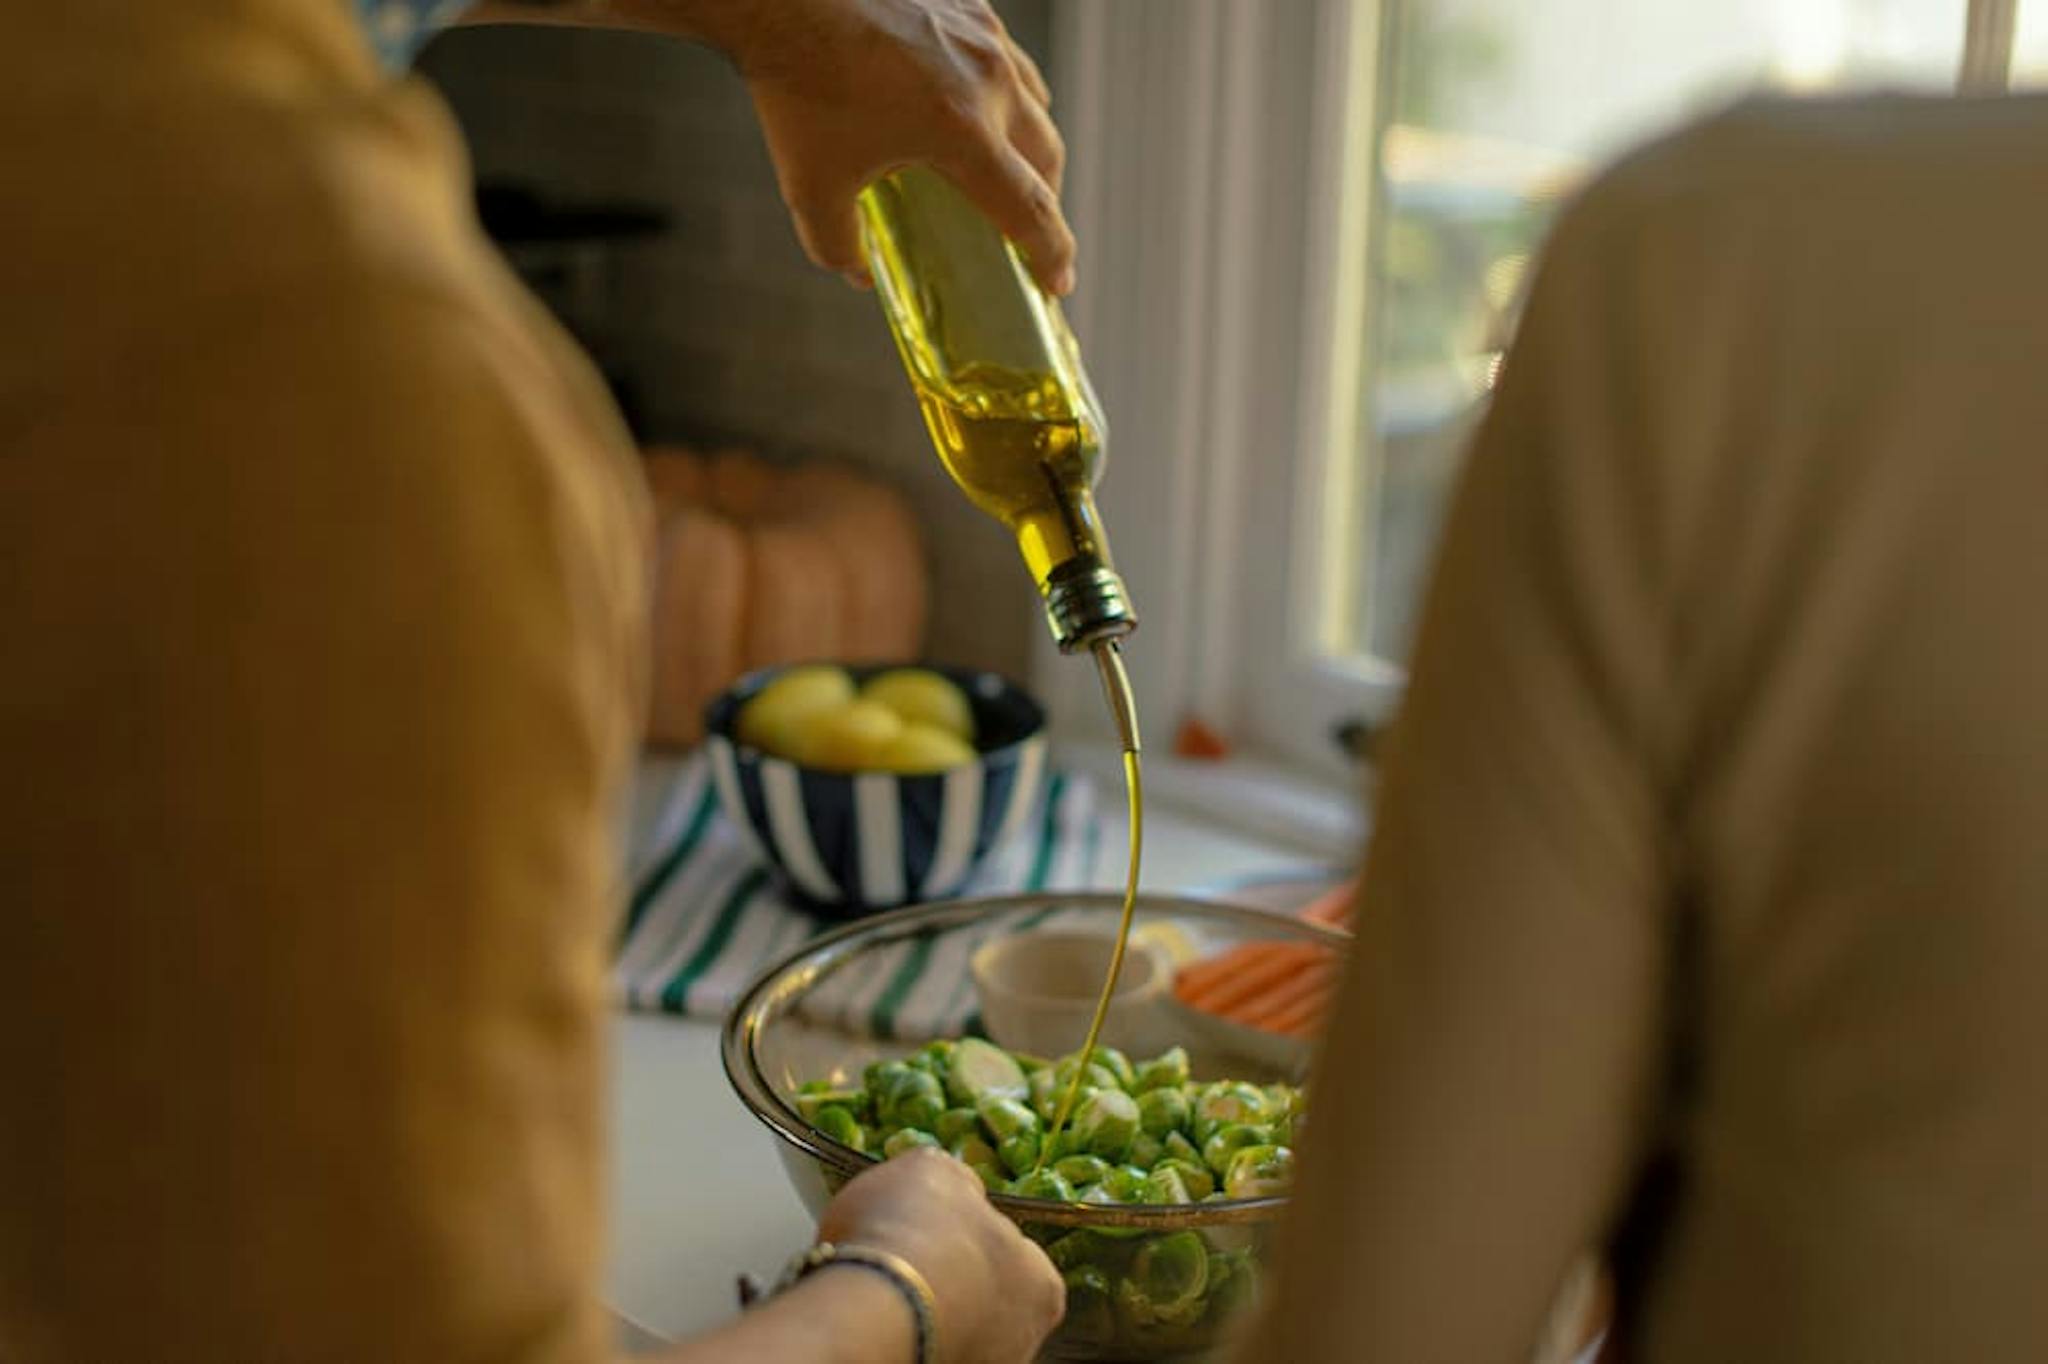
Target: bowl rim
{"points": [[721, 713], [797, 970]]}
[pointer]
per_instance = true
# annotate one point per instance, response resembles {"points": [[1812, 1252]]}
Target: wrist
{"points": [[874, 1269], [875, 1299], [865, 1319]]}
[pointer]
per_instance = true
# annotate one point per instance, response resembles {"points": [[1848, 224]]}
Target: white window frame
{"points": [[1200, 188], [1221, 292]]}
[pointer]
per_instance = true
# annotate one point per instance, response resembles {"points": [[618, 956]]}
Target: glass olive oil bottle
{"points": [[1016, 423], [999, 377]]}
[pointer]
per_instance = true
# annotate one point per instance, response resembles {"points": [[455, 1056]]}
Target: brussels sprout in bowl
{"points": [[1158, 1200]]}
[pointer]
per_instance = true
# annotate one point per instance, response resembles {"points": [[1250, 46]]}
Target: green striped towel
{"points": [[706, 917]]}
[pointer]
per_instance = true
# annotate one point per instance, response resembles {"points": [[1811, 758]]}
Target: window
{"points": [[2030, 46], [1306, 228], [1494, 109]]}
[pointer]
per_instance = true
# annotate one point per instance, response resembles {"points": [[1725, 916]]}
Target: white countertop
{"points": [[698, 1192]]}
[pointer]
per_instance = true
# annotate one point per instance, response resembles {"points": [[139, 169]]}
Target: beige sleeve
{"points": [[307, 930], [1478, 1111]]}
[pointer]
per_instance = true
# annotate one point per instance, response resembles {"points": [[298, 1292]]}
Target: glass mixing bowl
{"points": [[809, 1018]]}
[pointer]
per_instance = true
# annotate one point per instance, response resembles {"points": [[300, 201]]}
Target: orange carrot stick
{"points": [[1261, 976], [1305, 1017], [1332, 906], [1312, 981], [1219, 973], [1197, 979]]}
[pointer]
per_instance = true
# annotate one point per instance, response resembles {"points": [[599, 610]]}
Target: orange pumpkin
{"points": [[758, 563]]}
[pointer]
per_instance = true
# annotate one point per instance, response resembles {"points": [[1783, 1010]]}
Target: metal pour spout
{"points": [[1116, 686]]}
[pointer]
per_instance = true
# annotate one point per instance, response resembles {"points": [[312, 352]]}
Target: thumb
{"points": [[828, 228]]}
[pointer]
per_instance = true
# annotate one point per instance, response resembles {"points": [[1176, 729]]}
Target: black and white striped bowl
{"points": [[847, 843]]}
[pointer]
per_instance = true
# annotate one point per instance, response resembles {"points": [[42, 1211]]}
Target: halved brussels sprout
{"points": [[1064, 1144], [839, 1124], [1077, 1248], [1097, 1074], [1081, 1170], [1163, 1110], [981, 1070], [1259, 1172], [933, 1058], [978, 1156], [1006, 1117], [1049, 1087], [1045, 1092], [1127, 1182], [1105, 1123], [1019, 1154], [1165, 1282], [1117, 1064], [1167, 1186], [1220, 1149], [1123, 1187], [1178, 1147], [908, 1097], [973, 1150], [956, 1124], [1280, 1101], [1227, 1102], [1146, 1151], [907, 1139], [810, 1100], [877, 1077], [1091, 1315], [1195, 1176], [1169, 1068], [1045, 1184], [1233, 1283]]}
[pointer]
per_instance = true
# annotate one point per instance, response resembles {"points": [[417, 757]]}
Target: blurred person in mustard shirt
{"points": [[320, 567]]}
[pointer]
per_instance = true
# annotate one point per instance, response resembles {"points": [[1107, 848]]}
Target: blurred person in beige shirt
{"points": [[1706, 915], [320, 564]]}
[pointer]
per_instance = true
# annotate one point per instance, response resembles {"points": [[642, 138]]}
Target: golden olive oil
{"points": [[1134, 799], [1034, 473]]}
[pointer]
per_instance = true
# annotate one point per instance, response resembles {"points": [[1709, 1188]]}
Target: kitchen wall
{"points": [[724, 331]]}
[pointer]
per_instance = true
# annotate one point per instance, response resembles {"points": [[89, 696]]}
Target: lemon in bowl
{"points": [[924, 698], [867, 787]]}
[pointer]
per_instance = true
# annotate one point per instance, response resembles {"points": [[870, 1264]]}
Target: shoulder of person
{"points": [[1819, 159]]}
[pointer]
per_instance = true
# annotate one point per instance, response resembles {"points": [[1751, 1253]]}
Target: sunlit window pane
{"points": [[2030, 47], [1493, 110]]}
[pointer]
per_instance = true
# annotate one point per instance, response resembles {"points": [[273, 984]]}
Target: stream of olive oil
{"points": [[1134, 798]]}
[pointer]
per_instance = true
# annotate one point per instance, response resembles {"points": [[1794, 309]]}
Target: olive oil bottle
{"points": [[1016, 423], [999, 377]]}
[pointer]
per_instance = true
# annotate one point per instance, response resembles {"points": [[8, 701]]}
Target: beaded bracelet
{"points": [[898, 1271]]}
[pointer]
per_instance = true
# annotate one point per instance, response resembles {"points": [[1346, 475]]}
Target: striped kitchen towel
{"points": [[706, 916]]}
